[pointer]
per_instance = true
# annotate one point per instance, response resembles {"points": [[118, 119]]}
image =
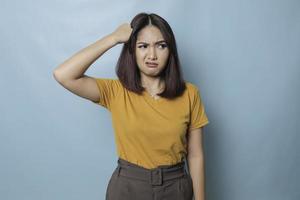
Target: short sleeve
{"points": [[108, 89], [198, 117]]}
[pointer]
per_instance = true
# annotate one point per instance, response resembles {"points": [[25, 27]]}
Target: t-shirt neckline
{"points": [[148, 96]]}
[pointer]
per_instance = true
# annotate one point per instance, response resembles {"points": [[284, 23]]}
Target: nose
{"points": [[152, 53]]}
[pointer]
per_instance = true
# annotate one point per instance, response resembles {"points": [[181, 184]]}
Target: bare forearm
{"points": [[75, 66], [197, 171]]}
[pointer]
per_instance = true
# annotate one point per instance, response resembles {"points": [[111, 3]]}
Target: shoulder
{"points": [[191, 87], [109, 84], [109, 81]]}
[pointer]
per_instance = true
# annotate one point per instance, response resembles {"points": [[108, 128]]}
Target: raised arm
{"points": [[70, 74]]}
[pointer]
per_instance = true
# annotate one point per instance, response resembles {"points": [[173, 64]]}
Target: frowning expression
{"points": [[151, 51]]}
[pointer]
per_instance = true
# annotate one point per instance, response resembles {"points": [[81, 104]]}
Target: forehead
{"points": [[149, 34]]}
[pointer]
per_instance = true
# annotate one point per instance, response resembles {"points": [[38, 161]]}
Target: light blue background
{"points": [[243, 55]]}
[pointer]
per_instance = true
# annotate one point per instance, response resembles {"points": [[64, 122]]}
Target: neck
{"points": [[152, 83]]}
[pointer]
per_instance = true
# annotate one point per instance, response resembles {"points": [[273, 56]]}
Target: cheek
{"points": [[165, 55], [140, 55], [139, 58]]}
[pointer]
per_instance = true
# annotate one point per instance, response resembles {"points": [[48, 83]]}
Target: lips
{"points": [[151, 64]]}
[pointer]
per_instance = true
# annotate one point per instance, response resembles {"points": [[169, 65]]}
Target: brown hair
{"points": [[128, 71]]}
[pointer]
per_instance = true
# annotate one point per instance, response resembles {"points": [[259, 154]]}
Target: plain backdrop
{"points": [[243, 56]]}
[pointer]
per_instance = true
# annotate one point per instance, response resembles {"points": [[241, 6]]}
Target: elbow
{"points": [[57, 76], [195, 157]]}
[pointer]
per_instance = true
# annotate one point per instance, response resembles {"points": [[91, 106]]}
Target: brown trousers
{"points": [[166, 182]]}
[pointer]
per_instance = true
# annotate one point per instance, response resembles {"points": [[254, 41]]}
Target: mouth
{"points": [[151, 64]]}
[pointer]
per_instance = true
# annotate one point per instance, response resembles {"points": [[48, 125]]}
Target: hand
{"points": [[122, 33]]}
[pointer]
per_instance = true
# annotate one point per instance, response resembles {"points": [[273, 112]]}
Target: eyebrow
{"points": [[160, 41]]}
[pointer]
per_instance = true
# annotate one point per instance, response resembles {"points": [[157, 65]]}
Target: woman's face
{"points": [[151, 47]]}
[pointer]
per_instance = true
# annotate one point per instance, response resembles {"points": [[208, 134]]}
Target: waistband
{"points": [[155, 176]]}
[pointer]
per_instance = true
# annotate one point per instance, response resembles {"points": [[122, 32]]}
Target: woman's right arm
{"points": [[70, 74]]}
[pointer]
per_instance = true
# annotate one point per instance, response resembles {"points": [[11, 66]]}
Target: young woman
{"points": [[157, 116]]}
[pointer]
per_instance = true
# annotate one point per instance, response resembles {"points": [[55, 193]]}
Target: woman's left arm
{"points": [[195, 158]]}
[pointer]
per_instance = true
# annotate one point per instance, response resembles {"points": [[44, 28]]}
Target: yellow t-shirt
{"points": [[151, 132]]}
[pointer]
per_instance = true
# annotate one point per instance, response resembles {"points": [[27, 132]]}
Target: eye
{"points": [[163, 45], [141, 46]]}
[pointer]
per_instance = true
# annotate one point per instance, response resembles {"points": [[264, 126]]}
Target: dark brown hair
{"points": [[128, 71]]}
